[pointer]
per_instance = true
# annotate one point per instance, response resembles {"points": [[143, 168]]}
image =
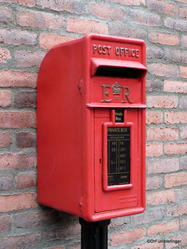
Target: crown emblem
{"points": [[116, 88]]}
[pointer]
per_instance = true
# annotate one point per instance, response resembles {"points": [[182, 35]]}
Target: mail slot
{"points": [[91, 127]]}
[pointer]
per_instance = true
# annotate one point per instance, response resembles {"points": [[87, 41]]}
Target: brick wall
{"points": [[28, 28]]}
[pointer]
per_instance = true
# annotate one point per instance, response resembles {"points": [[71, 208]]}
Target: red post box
{"points": [[91, 127]]}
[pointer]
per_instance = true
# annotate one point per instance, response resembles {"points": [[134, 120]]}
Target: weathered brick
{"points": [[25, 180], [184, 40], [163, 69], [183, 72], [17, 202], [17, 37], [24, 99], [154, 117], [153, 182], [5, 98], [62, 247], [24, 241], [17, 160], [86, 26], [175, 86], [145, 18], [25, 139], [36, 19], [183, 102], [5, 15], [183, 12], [72, 6], [123, 29], [154, 150], [163, 228], [75, 245], [156, 245], [48, 40], [26, 58], [17, 119], [17, 79], [164, 165], [181, 239], [163, 7], [175, 179], [5, 139], [182, 1], [6, 182], [175, 148], [183, 132], [129, 2], [30, 3], [162, 134], [162, 101], [35, 218], [179, 56], [107, 12], [154, 85], [163, 38], [176, 24], [184, 223], [127, 236], [5, 223], [4, 55], [161, 197], [177, 210], [183, 162], [175, 117], [154, 52]]}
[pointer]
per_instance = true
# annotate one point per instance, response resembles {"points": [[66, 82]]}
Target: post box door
{"points": [[118, 196]]}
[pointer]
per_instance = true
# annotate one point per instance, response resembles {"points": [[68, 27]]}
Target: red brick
{"points": [[181, 238], [130, 2], [17, 119], [26, 139], [154, 150], [183, 132], [162, 134], [31, 219], [183, 72], [36, 19], [17, 160], [154, 117], [86, 26], [163, 38], [75, 245], [177, 210], [153, 182], [30, 3], [147, 246], [4, 55], [5, 139], [48, 40], [127, 236], [175, 86], [184, 40], [25, 99], [175, 179], [163, 7], [182, 1], [5, 223], [62, 247], [184, 223], [107, 12], [5, 98], [162, 165], [163, 69], [17, 79], [162, 101], [161, 197], [25, 180], [163, 228], [175, 148], [17, 202], [6, 15], [183, 12], [175, 117], [184, 193], [17, 37], [6, 182], [26, 58], [23, 241]]}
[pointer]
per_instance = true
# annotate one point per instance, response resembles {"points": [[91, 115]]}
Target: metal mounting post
{"points": [[94, 235]]}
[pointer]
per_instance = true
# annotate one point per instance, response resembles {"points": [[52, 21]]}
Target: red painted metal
{"points": [[76, 104]]}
